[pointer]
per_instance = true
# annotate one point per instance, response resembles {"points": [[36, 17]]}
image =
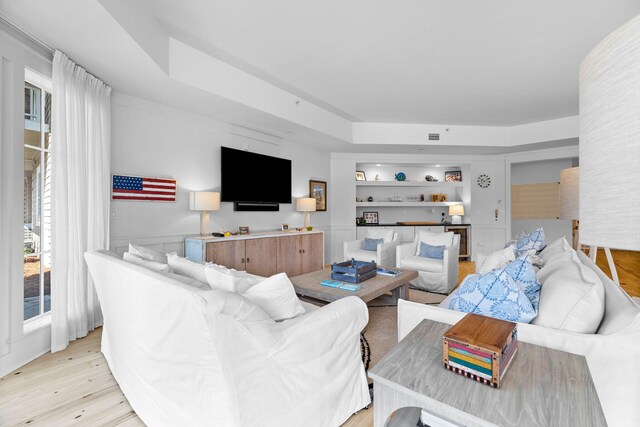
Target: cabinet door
{"points": [[290, 255], [430, 229], [261, 256], [230, 254], [312, 252]]}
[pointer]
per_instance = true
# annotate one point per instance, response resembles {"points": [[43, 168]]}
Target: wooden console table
{"points": [[263, 254], [543, 387]]}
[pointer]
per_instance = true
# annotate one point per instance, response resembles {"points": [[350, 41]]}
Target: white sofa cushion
{"points": [[433, 239], [276, 296], [419, 263], [227, 279], [497, 259], [380, 233], [188, 281], [147, 253], [362, 255], [572, 296], [555, 250], [186, 267], [151, 265]]}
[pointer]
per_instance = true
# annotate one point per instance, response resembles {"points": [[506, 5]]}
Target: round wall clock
{"points": [[484, 181]]}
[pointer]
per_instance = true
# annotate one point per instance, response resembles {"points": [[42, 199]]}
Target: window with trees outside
{"points": [[37, 197]]}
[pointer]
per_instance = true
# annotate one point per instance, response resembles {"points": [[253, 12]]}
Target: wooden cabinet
{"points": [[465, 238], [256, 256], [292, 252], [300, 254]]}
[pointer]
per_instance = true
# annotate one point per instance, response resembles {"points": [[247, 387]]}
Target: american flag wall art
{"points": [[124, 187]]}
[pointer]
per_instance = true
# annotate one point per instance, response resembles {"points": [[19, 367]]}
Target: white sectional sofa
{"points": [[612, 352], [185, 356]]}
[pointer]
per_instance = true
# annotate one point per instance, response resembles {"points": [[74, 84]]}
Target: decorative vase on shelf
{"points": [[370, 199], [400, 176]]}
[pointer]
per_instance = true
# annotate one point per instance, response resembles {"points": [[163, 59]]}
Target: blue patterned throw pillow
{"points": [[430, 251], [522, 272], [494, 294], [371, 244], [534, 240]]}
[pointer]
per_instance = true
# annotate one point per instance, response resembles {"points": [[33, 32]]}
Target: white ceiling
{"points": [[490, 62], [493, 62]]}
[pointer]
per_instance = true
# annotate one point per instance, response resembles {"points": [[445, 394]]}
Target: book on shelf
{"points": [[388, 272], [340, 285]]}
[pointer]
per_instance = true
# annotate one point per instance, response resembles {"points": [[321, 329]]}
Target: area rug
{"points": [[382, 331]]}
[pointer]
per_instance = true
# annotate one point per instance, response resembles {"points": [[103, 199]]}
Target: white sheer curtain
{"points": [[81, 130]]}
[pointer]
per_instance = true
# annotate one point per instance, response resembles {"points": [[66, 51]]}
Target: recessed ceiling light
{"points": [[437, 166], [378, 164]]}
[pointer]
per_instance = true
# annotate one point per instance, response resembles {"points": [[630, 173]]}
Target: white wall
{"points": [[153, 140], [537, 172]]}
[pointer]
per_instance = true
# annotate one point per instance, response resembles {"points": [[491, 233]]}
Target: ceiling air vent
{"points": [[434, 137]]}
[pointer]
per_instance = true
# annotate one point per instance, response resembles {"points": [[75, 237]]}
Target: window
{"points": [[37, 196]]}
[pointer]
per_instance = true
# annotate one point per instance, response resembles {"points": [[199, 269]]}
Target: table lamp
{"points": [[569, 194], [306, 205], [456, 212], [609, 144], [204, 201]]}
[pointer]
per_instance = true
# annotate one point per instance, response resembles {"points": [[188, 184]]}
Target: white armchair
{"points": [[384, 255], [434, 275]]}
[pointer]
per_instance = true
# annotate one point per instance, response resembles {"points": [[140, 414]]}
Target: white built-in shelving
{"points": [[406, 204], [408, 184]]}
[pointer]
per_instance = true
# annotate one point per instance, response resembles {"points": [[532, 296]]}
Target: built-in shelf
{"points": [[407, 184], [405, 204]]}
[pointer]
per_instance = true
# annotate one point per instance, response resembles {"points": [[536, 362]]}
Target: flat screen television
{"points": [[254, 178]]}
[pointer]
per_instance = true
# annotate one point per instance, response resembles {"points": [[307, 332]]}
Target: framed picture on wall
{"points": [[360, 176], [318, 191], [453, 176], [370, 217]]}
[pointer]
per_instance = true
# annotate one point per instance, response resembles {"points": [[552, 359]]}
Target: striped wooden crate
{"points": [[480, 348]]}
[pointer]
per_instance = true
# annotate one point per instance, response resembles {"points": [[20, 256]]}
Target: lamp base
{"points": [[204, 223], [307, 219], [456, 219]]}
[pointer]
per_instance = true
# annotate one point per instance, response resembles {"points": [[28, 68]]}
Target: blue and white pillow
{"points": [[494, 294], [431, 251], [533, 240], [371, 244], [523, 273]]}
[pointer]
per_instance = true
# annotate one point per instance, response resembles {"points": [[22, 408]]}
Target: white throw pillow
{"points": [[433, 239], [380, 233], [555, 249], [572, 296], [151, 265], [237, 306], [188, 281], [147, 253], [228, 279], [497, 259], [276, 296], [186, 267]]}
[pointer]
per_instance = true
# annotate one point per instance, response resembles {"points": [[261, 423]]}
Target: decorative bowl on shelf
{"points": [[400, 176]]}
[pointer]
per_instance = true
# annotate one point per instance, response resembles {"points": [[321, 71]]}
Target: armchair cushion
{"points": [[430, 251], [380, 233], [362, 255], [419, 263], [371, 244], [434, 239]]}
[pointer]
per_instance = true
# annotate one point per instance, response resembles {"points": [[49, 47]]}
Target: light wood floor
{"points": [[75, 386]]}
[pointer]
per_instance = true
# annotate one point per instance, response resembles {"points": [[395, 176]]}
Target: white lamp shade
{"points": [[204, 201], [569, 193], [610, 141], [306, 204], [456, 210]]}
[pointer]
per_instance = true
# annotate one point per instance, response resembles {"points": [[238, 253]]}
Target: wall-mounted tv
{"points": [[254, 178]]}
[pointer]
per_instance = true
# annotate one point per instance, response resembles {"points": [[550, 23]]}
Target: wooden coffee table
{"points": [[308, 285]]}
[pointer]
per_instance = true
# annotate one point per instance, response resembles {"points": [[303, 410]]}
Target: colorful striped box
{"points": [[480, 348]]}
